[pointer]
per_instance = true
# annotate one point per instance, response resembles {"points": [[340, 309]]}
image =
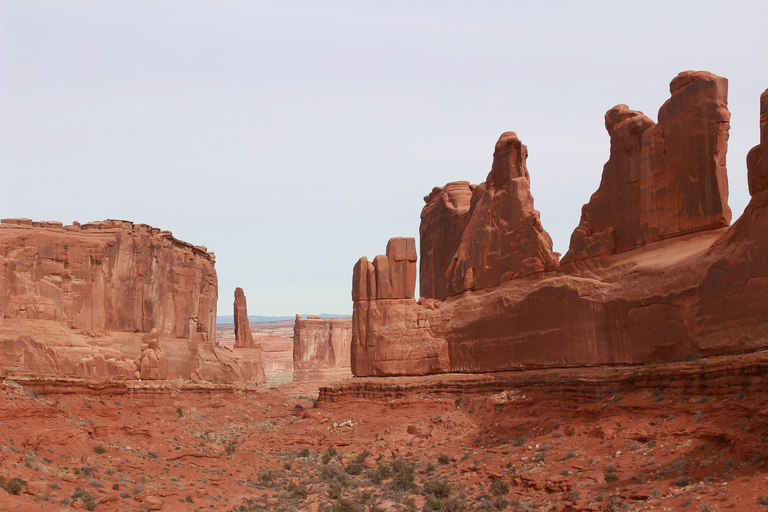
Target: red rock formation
{"points": [[321, 348], [111, 275], [697, 290], [243, 335], [377, 320], [74, 301], [389, 277], [443, 220], [152, 363], [757, 158], [503, 238], [661, 180]]}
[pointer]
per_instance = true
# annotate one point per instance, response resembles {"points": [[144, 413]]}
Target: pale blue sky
{"points": [[291, 138]]}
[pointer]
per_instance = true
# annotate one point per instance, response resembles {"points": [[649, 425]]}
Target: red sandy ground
{"points": [[679, 436]]}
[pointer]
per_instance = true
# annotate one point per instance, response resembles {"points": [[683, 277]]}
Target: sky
{"points": [[291, 138]]}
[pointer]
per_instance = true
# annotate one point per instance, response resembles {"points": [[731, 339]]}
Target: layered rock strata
{"points": [[321, 348], [111, 275], [658, 275], [80, 300]]}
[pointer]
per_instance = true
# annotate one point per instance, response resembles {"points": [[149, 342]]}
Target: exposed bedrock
{"points": [[654, 273]]}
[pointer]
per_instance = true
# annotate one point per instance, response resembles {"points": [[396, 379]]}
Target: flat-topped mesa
{"points": [[757, 158], [389, 277], [243, 334], [443, 220], [112, 275], [321, 348], [503, 238], [663, 179]]}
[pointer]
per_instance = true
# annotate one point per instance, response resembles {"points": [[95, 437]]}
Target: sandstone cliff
{"points": [[111, 275], [77, 301], [321, 348], [661, 180], [653, 273]]}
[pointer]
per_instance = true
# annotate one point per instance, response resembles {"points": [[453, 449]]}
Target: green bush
{"points": [[99, 449]]}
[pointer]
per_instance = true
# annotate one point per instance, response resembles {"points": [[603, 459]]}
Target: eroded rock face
{"points": [[654, 273], [503, 238], [757, 158], [111, 275], [390, 276], [152, 363], [243, 334], [75, 300], [661, 180], [321, 348], [443, 220]]}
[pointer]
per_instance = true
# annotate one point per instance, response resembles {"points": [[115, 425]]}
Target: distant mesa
{"points": [[653, 272], [321, 348]]}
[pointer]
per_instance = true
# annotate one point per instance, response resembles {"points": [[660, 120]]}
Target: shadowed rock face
{"points": [[654, 273], [443, 220], [661, 180], [321, 348]]}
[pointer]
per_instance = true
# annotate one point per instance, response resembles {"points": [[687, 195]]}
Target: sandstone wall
{"points": [[111, 275], [321, 348], [653, 273]]}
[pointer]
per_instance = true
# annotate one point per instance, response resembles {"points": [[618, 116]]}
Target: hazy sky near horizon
{"points": [[291, 138]]}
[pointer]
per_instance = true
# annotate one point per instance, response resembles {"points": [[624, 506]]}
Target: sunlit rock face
{"points": [[321, 348], [653, 273]]}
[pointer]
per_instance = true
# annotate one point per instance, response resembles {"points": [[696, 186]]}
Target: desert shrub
{"points": [[302, 454], [298, 491], [188, 499], [444, 504], [13, 486], [763, 500], [230, 447], [443, 459], [499, 488], [682, 481], [99, 449], [180, 412], [89, 502], [328, 455], [341, 505], [85, 472], [354, 468], [153, 455], [404, 478], [437, 488], [267, 478], [115, 487]]}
